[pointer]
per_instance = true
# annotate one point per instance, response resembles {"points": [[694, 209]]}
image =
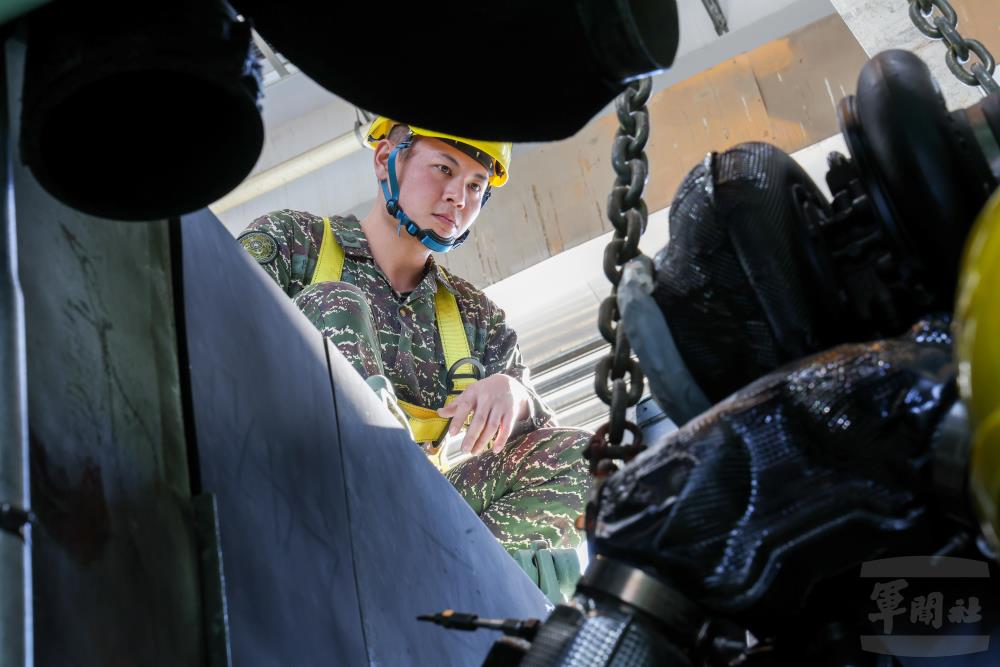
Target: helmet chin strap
{"points": [[427, 237]]}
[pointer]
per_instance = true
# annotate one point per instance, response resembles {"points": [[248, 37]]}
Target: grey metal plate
{"points": [[419, 548], [268, 448], [319, 571], [115, 565]]}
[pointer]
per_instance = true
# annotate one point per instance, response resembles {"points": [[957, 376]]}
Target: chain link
{"points": [[618, 379], [938, 20]]}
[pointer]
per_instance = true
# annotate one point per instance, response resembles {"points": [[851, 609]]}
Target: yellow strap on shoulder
{"points": [[330, 263], [452, 332], [425, 423]]}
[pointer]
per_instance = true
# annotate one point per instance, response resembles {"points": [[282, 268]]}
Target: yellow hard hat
{"points": [[977, 346], [499, 151]]}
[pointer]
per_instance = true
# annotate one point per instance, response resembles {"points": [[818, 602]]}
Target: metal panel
{"points": [[114, 558], [320, 571], [115, 565], [15, 554], [269, 449], [717, 15], [418, 546]]}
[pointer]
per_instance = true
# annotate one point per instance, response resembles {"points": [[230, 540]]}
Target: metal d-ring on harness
{"points": [[627, 213], [456, 388], [478, 373], [943, 24]]}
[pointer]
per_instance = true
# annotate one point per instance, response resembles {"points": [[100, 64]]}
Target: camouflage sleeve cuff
{"points": [[539, 416]]}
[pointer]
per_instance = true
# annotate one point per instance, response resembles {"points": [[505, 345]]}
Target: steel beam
{"points": [[15, 536], [717, 15]]}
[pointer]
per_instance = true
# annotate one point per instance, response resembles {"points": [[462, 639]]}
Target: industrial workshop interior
{"points": [[566, 333]]}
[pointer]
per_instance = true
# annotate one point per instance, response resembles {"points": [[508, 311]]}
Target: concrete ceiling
{"points": [[880, 25]]}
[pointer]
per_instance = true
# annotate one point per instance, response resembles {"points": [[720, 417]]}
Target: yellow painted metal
{"points": [[977, 319]]}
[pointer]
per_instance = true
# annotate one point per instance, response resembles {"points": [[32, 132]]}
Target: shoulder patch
{"points": [[261, 246]]}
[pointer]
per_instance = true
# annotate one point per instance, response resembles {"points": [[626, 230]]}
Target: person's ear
{"points": [[381, 159]]}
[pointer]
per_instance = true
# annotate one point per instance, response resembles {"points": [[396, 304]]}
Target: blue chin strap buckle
{"points": [[429, 238]]}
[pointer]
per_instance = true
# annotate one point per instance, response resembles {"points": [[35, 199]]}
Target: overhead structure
{"points": [[879, 25], [717, 15], [16, 636], [140, 111], [579, 52]]}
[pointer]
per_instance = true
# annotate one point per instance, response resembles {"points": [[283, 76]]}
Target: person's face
{"points": [[441, 188]]}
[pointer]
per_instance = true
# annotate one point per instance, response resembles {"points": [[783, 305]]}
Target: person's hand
{"points": [[496, 403]]}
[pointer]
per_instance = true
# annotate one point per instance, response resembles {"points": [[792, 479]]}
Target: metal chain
{"points": [[938, 20], [619, 380]]}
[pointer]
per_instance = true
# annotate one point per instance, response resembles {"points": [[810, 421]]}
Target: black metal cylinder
{"points": [[923, 168], [630, 38], [521, 70], [139, 111]]}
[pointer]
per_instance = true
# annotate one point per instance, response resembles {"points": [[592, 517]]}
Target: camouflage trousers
{"points": [[532, 491]]}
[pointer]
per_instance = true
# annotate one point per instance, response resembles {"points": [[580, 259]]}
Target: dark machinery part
{"points": [[601, 454], [580, 52], [627, 213], [623, 617], [597, 631], [673, 388], [323, 501], [758, 513], [728, 285], [512, 627], [14, 519], [762, 270], [808, 471], [140, 111], [114, 544], [717, 15], [926, 172]]}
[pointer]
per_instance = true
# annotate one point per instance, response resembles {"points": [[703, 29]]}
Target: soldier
{"points": [[403, 322]]}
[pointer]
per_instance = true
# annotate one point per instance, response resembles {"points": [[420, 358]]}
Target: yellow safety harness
{"points": [[426, 425]]}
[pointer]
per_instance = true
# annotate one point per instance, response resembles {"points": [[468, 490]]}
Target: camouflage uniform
{"points": [[535, 488]]}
